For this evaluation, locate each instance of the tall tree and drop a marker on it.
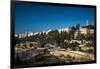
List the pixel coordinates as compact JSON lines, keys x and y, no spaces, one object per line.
{"x":72,"y":32}
{"x":78,"y":30}
{"x":78,"y":27}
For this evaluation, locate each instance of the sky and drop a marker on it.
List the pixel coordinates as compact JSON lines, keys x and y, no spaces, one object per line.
{"x":36,"y":17}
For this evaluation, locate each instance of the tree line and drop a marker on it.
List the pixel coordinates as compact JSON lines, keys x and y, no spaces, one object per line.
{"x":56,"y":38}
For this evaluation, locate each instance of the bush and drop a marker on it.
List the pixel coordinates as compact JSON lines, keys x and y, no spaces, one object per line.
{"x":74,"y":46}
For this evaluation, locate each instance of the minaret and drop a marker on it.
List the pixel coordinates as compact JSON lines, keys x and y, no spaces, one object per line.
{"x":87,"y":27}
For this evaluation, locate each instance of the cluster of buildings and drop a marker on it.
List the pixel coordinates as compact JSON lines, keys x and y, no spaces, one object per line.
{"x":84,"y":31}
